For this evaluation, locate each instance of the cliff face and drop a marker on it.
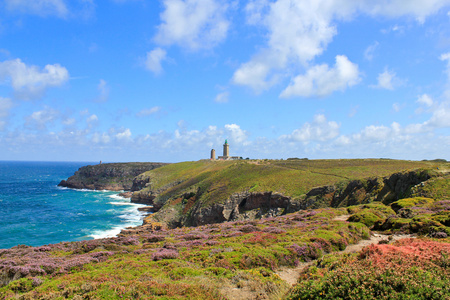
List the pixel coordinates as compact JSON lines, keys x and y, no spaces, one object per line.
{"x":204,"y":192}
{"x":247,"y":205}
{"x":111,"y":176}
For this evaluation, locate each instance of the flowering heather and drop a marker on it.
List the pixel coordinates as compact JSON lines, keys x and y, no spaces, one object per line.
{"x":128,"y":240}
{"x":153,"y":238}
{"x":248,"y":228}
{"x":163,"y":253}
{"x":409,"y":269}
{"x":194,"y":236}
{"x":275,"y":230}
{"x":188,"y":262}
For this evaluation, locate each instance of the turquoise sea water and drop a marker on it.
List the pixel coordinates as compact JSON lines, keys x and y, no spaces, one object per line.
{"x":35,"y":211}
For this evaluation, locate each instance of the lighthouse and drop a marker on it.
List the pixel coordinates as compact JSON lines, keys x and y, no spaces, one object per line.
{"x":226,"y":150}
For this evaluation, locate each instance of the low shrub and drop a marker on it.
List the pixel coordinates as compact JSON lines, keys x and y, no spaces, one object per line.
{"x":411,"y":269}
{"x":163,"y":253}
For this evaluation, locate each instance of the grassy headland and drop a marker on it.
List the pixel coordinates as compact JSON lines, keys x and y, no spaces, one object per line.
{"x":192,"y":193}
{"x":244,"y":259}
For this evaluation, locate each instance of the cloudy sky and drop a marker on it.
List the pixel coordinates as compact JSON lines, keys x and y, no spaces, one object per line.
{"x":168,"y":80}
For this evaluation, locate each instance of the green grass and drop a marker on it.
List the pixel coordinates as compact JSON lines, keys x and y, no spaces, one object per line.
{"x":436,"y":188}
{"x":209,"y":182}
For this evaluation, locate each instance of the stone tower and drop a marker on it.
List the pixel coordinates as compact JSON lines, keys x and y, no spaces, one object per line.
{"x":213,"y":154}
{"x":226,"y":149}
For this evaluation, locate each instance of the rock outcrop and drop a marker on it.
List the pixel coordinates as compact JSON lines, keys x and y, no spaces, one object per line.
{"x":145,"y":194}
{"x":110,"y":176}
{"x":247,"y":205}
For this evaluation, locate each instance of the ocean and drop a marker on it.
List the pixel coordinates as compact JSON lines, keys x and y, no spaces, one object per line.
{"x":34,"y":211}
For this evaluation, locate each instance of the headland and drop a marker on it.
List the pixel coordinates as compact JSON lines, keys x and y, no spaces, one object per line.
{"x":259,"y":229}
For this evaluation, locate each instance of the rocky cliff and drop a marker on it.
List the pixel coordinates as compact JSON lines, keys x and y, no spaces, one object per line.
{"x":110,"y":176}
{"x":187,"y":211}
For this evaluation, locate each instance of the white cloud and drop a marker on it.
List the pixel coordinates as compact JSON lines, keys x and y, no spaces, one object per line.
{"x":425,"y":100}
{"x":101,"y":138}
{"x":38,"y":7}
{"x":319,"y":130}
{"x":193,"y":24}
{"x":388,"y":80}
{"x":321,"y":81}
{"x":446,"y":57}
{"x":396,"y":107}
{"x":154,"y":59}
{"x":235,"y":133}
{"x":103,"y":89}
{"x":41,"y":119}
{"x":28,"y":81}
{"x":440,"y":117}
{"x":254,"y":75}
{"x":375,"y":133}
{"x":396,"y":8}
{"x":222,"y":97}
{"x":69,"y":121}
{"x":5,"y":106}
{"x":300,"y":31}
{"x":395,"y":28}
{"x":92,"y":118}
{"x":370,"y":51}
{"x":149,"y":111}
{"x":125,"y":134}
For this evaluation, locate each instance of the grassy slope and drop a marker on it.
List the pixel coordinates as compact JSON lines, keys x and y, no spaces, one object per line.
{"x":217,"y":180}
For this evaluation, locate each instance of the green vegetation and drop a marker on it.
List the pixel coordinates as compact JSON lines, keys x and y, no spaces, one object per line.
{"x":411,"y":202}
{"x":436,"y":188}
{"x":192,"y":263}
{"x":246,"y":258}
{"x":217,"y":180}
{"x":213,"y":182}
{"x":409,"y":269}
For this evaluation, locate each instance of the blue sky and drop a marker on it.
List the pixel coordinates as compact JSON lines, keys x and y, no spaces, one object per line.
{"x":168,"y":80}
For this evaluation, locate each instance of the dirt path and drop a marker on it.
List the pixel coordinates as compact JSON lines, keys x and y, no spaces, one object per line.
{"x":291,"y":275}
{"x":247,"y":291}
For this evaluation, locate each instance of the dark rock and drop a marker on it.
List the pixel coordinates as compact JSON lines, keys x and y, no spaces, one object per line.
{"x":147,"y":209}
{"x":112,"y":176}
{"x":247,"y":205}
{"x":126,"y":194}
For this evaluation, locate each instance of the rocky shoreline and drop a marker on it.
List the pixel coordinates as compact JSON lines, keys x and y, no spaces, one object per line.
{"x":181,"y":208}
{"x":109,"y":176}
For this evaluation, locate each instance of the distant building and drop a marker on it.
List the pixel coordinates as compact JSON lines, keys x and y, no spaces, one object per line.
{"x":226,"y":153}
{"x":226,"y":149}
{"x":213,"y":154}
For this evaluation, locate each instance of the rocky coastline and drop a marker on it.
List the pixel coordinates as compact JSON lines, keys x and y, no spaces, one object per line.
{"x":252,"y":206}
{"x":108,"y":176}
{"x":178,"y":209}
